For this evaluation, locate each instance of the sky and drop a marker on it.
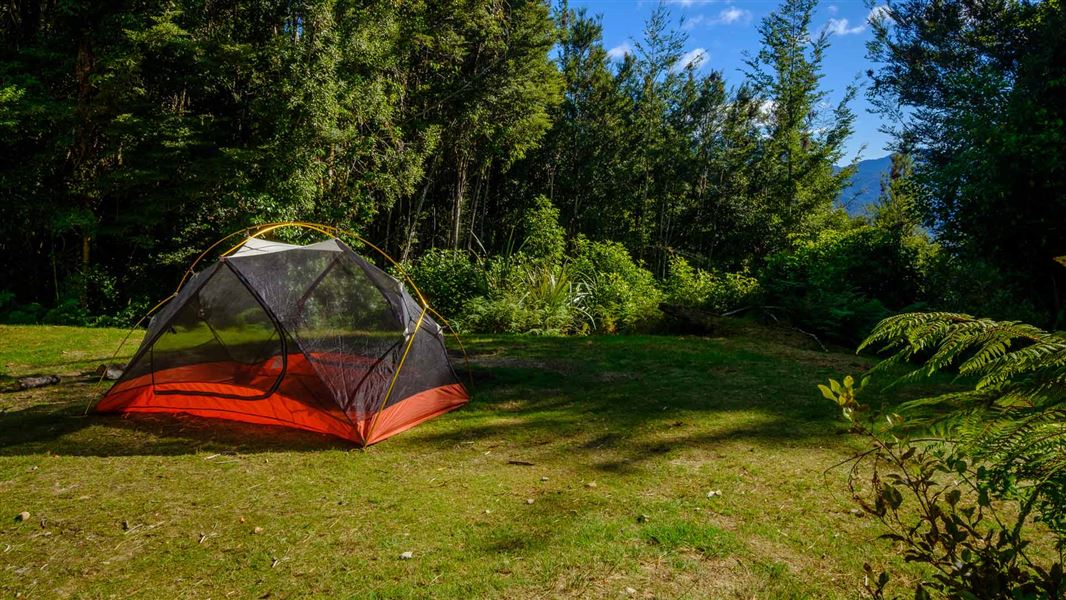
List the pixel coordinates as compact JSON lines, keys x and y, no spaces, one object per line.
{"x":720,"y":31}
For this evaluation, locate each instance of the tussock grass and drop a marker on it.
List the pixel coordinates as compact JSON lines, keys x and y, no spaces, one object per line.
{"x":616,"y":428}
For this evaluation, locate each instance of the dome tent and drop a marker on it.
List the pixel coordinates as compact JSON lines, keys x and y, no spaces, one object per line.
{"x":313,"y":337}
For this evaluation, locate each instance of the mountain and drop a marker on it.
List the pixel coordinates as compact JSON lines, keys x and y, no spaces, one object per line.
{"x":865,"y":185}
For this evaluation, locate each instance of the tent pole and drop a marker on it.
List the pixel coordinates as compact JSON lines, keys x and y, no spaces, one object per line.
{"x":395,"y":376}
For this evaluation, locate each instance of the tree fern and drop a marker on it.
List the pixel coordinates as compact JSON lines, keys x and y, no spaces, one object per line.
{"x":1013,"y":416}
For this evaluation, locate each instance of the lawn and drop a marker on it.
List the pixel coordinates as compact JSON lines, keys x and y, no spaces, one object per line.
{"x":581,"y":469}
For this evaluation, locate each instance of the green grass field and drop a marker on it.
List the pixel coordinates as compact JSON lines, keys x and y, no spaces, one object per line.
{"x":626,"y":436}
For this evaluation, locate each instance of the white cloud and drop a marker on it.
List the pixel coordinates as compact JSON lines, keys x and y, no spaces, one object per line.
{"x":879,"y":12}
{"x":727,"y":16}
{"x":620,"y":51}
{"x":694,"y":58}
{"x":732,"y":15}
{"x":840,"y":27}
{"x":693,"y":22}
{"x":688,"y":3}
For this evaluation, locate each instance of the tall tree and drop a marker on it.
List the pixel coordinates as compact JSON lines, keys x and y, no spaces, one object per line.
{"x":977,"y":92}
{"x":803,"y":139}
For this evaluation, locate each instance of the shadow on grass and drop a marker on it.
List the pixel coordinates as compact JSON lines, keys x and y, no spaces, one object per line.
{"x":615,"y":403}
{"x":611,"y":402}
{"x":60,"y":427}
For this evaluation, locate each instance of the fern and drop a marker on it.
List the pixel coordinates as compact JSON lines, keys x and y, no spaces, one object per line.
{"x":1013,"y":419}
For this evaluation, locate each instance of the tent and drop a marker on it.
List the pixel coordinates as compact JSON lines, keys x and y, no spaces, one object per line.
{"x":313,"y":337}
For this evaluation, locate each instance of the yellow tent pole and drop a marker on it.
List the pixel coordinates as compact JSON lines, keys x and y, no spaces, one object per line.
{"x":111,"y":360}
{"x":395,"y":376}
{"x":458,"y":340}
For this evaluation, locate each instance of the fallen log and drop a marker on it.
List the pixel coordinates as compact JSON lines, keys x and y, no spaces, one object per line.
{"x":36,"y":381}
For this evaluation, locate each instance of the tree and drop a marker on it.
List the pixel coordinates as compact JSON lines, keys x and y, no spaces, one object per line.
{"x":976,"y":91}
{"x":802,"y":141}
{"x":897,"y":206}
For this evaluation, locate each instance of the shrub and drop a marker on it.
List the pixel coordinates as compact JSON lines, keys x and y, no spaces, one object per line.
{"x":545,"y":239}
{"x":68,"y":312}
{"x":960,"y":479}
{"x":973,"y":285}
{"x":718,"y":293}
{"x":449,"y":279}
{"x":621,"y":294}
{"x":23,"y":314}
{"x":527,"y":296}
{"x":843,"y":282}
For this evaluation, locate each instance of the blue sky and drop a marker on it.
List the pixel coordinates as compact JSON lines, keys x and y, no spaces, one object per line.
{"x":720,"y":31}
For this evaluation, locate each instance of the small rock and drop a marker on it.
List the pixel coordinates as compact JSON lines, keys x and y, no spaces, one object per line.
{"x":545,"y":478}
{"x":529,"y":501}
{"x":713,"y":493}
{"x":488,"y":512}
{"x":630,"y":591}
{"x":855,"y":512}
{"x":642,"y":519}
{"x":109,"y":372}
{"x":22,"y":516}
{"x":257,"y":530}
{"x":590,"y":484}
{"x":407,"y":555}
{"x":242,"y":519}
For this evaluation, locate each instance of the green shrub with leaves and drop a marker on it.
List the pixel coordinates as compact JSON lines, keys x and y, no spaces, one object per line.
{"x":961,"y":478}
{"x":968,"y":284}
{"x":715,"y":292}
{"x":843,"y":282}
{"x":544,"y":238}
{"x":622,"y":296}
{"x":449,"y":279}
{"x":527,"y":296}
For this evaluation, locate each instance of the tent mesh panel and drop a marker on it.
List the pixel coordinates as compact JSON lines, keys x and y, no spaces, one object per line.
{"x":340,"y":320}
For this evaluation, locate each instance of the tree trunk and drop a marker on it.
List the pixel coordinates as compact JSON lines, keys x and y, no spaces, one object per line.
{"x":84,"y":148}
{"x":457,"y":203}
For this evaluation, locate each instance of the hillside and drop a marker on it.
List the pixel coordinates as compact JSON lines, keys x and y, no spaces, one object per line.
{"x":865,"y":185}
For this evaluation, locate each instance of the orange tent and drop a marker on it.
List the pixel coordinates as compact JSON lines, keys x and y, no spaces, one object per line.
{"x":314,"y":337}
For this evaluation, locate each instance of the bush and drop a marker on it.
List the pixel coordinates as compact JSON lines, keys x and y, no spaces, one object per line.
{"x":718,"y":293}
{"x":621,"y":294}
{"x":449,"y":279}
{"x":961,"y":479}
{"x":843,"y":282}
{"x":973,"y":285}
{"x":527,"y":296}
{"x":67,"y":312}
{"x":545,"y":239}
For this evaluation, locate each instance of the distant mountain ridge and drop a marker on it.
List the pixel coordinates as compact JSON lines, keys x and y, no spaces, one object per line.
{"x":865,"y":185}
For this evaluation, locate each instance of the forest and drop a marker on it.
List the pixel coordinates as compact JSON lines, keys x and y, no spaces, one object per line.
{"x":529,"y":181}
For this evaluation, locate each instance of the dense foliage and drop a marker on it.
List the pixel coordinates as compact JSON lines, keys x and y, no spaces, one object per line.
{"x":976,"y":90}
{"x":980,"y":465}
{"x":531,"y":181}
{"x":140,"y":133}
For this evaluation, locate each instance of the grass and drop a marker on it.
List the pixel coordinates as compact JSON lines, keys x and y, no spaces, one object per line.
{"x":626,"y":436}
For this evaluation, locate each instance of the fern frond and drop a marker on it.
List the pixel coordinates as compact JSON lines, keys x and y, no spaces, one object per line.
{"x":1014,"y":417}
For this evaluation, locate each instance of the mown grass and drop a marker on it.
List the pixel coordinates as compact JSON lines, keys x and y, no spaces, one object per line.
{"x":626,"y":436}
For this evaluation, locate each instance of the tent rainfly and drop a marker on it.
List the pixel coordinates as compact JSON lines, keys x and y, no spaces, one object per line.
{"x":313,"y":337}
